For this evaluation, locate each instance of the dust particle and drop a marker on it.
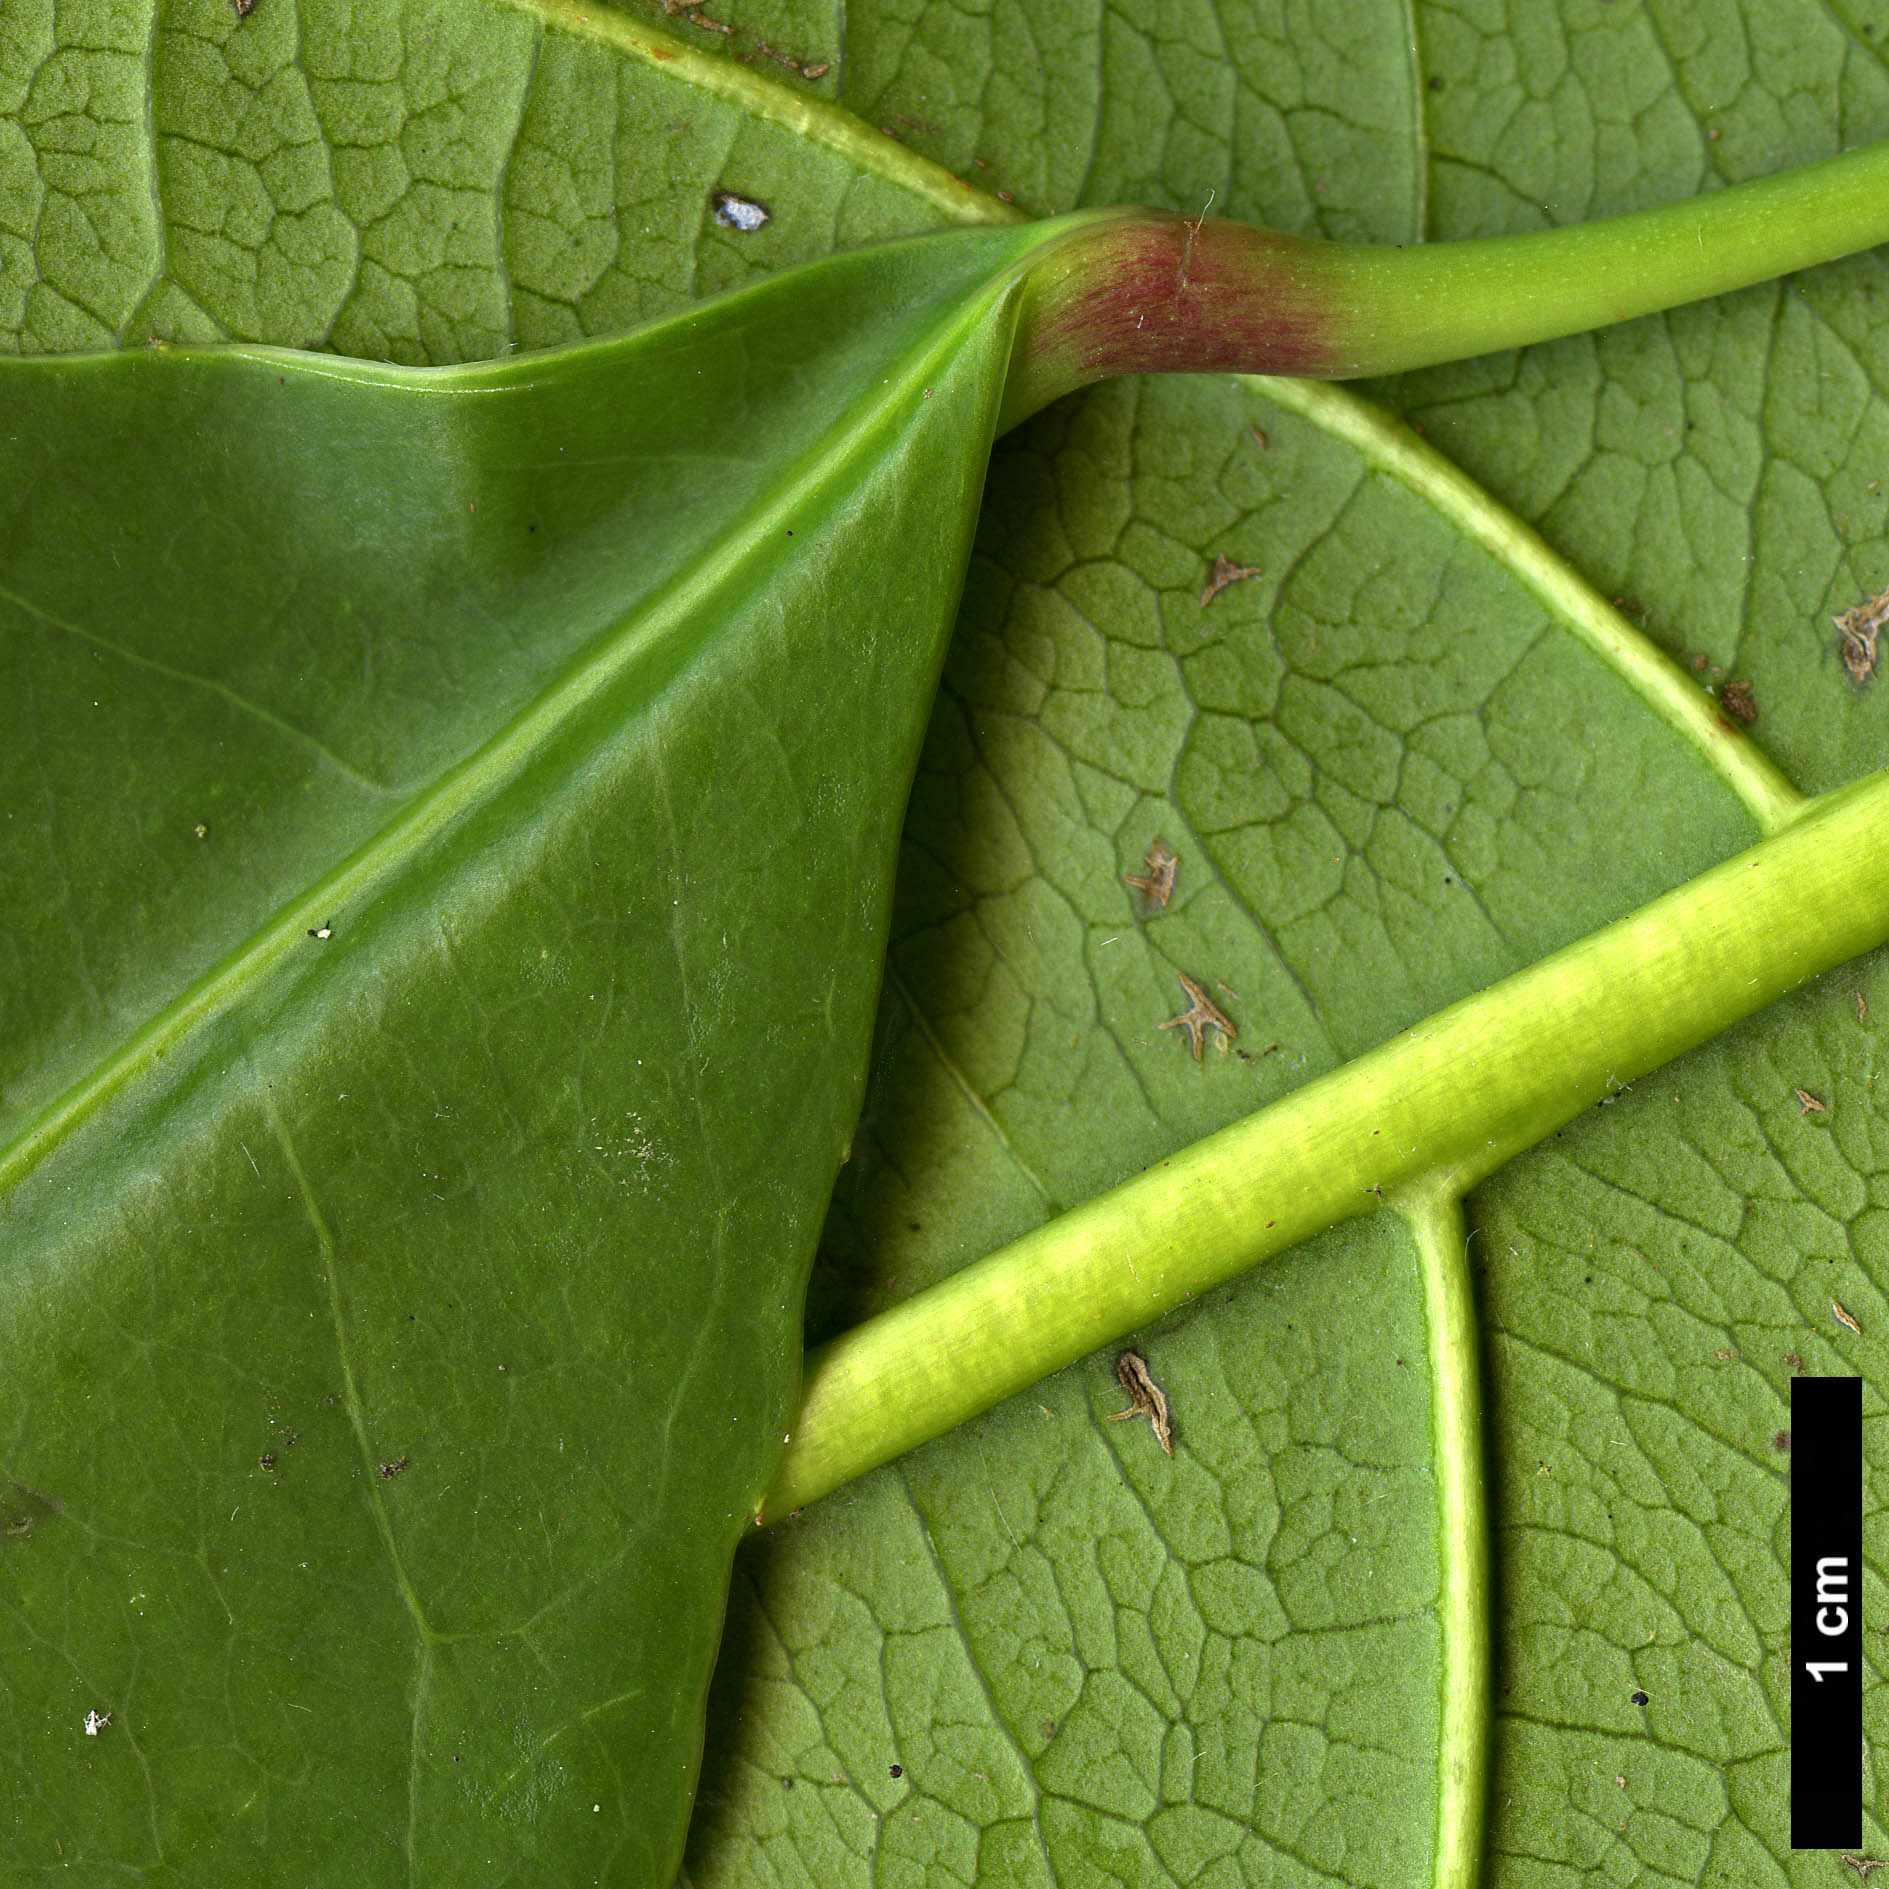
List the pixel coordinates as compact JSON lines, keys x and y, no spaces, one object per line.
{"x":1157,"y":887}
{"x":1147,"y":1399}
{"x":740,"y":213}
{"x":1857,"y":631}
{"x":1224,"y":573}
{"x":1201,"y":1015}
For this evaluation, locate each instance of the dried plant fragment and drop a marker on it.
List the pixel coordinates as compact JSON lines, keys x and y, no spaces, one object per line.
{"x":1201,"y":1015}
{"x":1845,"y":1320}
{"x":1226,"y":572}
{"x":1148,"y":1398}
{"x":1158,"y":886}
{"x":1810,"y":1104}
{"x":1857,"y":631}
{"x":1735,"y":699}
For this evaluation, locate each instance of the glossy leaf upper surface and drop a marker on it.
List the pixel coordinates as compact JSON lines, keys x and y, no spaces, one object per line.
{"x":443,"y":931}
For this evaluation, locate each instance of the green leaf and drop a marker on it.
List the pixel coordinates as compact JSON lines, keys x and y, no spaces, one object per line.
{"x":1703,"y":468}
{"x":1392,"y":774}
{"x":442,"y":942}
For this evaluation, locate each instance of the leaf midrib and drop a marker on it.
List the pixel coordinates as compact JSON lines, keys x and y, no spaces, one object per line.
{"x":806,"y":115}
{"x":511,"y":750}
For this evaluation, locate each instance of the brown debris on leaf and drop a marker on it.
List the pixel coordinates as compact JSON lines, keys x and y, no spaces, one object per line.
{"x":1201,"y":1015}
{"x":1735,"y":699}
{"x":1148,"y":1398}
{"x":1857,"y":631}
{"x":1158,"y":886}
{"x":1226,"y":572}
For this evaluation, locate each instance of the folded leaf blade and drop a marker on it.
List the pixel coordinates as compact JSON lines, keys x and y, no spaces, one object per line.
{"x":389,"y":1186}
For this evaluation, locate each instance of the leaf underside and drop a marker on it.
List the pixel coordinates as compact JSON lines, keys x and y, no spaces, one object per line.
{"x":1388,"y":777}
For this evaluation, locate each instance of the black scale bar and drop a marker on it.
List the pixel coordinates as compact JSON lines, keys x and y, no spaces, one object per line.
{"x":1826,"y":1613}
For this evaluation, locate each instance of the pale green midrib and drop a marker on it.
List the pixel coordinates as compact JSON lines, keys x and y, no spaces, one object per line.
{"x":1388,"y":444}
{"x":506,"y":755}
{"x":1433,"y":1211}
{"x":769,"y":100}
{"x":1452,"y":1099}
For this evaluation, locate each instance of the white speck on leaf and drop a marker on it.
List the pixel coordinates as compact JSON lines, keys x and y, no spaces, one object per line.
{"x":740,"y":213}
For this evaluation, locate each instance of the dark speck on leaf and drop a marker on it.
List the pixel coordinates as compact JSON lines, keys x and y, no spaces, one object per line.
{"x":898,"y":1770}
{"x":1782,"y":1442}
{"x":1639,"y":1698}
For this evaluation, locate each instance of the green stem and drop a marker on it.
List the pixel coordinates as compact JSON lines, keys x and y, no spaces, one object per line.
{"x":1447,"y":1102}
{"x":1677,"y":698}
{"x":1147,"y":292}
{"x":1435,"y":1218}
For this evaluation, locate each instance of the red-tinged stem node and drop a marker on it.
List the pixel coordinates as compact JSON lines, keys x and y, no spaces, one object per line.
{"x":1148,"y":292}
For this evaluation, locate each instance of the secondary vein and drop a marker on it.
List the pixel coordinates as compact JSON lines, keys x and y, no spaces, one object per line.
{"x":1390,"y":446}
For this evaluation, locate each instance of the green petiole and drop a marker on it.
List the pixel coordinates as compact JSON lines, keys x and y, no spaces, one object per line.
{"x":1441,"y":1106}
